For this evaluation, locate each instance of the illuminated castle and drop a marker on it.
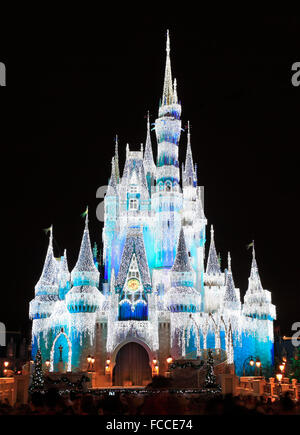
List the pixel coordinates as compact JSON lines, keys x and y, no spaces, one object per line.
{"x":158,"y":296}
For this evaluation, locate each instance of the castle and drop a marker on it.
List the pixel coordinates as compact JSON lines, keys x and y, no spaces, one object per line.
{"x":158,"y":299}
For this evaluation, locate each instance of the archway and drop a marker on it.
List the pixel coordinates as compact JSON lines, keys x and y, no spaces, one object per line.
{"x":132,"y":366}
{"x":61,"y":351}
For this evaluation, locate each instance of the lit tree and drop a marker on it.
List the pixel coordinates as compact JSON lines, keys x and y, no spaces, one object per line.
{"x":210,"y":379}
{"x":37,"y":383}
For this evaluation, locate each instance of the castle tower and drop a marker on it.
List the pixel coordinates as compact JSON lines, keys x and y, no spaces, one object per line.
{"x":182,"y":300}
{"x":260,"y":313}
{"x":83,"y":301}
{"x":46,"y":294}
{"x":167,"y":201}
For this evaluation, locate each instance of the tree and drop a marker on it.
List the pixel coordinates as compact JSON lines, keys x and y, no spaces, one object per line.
{"x":295,"y":369}
{"x":37,"y":383}
{"x":210,"y":378}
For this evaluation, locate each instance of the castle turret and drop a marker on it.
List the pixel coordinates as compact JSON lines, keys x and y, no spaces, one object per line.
{"x":46,"y":289}
{"x":167,"y":200}
{"x":231,"y":300}
{"x":85,"y":271}
{"x":257,"y":301}
{"x":214,"y":279}
{"x":182,"y":296}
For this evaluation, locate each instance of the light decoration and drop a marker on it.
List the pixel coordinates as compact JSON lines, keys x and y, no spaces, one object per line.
{"x":155,"y":278}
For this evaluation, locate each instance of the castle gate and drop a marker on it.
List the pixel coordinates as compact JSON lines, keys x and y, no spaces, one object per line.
{"x":132,"y":366}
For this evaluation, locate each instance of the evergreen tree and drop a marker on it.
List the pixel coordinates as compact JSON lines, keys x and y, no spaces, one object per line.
{"x":295,"y":369}
{"x":37,"y":383}
{"x":210,"y":379}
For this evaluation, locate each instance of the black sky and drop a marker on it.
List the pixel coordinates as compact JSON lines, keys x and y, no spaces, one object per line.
{"x":67,"y":97}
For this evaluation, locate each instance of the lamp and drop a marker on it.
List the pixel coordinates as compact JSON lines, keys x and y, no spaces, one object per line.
{"x":279,"y":377}
{"x":6,"y":364}
{"x":169,"y":360}
{"x":281,"y":367}
{"x":47,"y":362}
{"x":251,"y":362}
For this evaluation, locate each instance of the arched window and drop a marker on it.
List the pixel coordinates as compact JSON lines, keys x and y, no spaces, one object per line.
{"x":168,"y":186}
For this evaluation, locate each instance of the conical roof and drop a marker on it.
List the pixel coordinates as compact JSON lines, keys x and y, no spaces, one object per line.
{"x":85,"y":266}
{"x":48,"y":279}
{"x":213,"y":265}
{"x":182,"y":261}
{"x":254,"y":279}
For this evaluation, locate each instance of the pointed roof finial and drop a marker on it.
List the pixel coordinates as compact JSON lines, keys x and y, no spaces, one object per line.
{"x":87,"y":216}
{"x":168,"y":42}
{"x":175,"y":97}
{"x":117,"y":170}
{"x":168,"y":85}
{"x":229,"y":262}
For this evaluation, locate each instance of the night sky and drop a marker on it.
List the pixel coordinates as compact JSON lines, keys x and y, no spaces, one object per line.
{"x":68,"y":95}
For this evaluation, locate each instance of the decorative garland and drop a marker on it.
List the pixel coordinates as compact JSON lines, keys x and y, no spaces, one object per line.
{"x":185,"y":365}
{"x":75,"y":385}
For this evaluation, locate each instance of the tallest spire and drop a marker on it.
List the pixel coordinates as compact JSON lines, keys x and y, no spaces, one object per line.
{"x":167,"y":98}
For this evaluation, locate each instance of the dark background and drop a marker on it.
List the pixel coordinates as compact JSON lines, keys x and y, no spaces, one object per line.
{"x":67,"y":96}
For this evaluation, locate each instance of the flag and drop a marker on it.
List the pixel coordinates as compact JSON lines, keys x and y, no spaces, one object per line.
{"x":47,"y":229}
{"x":85,"y":212}
{"x":250,"y":245}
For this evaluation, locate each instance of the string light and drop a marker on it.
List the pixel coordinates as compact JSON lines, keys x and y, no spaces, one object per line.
{"x":154,"y":239}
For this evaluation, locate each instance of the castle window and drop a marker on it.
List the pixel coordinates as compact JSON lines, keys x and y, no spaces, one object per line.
{"x":133,"y":204}
{"x":133,"y":189}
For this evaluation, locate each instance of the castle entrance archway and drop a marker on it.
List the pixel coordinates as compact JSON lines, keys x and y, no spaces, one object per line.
{"x":132,"y":366}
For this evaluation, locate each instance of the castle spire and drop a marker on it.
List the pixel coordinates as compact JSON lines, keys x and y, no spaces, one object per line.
{"x":48,"y":279}
{"x":189,"y":174}
{"x":182,"y":262}
{"x":117,"y":170}
{"x":230,"y":297}
{"x":111,"y":190}
{"x":167,"y":97}
{"x":149,"y":164}
{"x":213,"y":264}
{"x":85,"y":269}
{"x":254,"y":279}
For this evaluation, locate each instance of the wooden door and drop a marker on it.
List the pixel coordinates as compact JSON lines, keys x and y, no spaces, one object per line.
{"x":132,"y":366}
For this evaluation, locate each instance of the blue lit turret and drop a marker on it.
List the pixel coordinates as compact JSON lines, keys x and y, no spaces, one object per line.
{"x":84,"y":297}
{"x":182,"y":296}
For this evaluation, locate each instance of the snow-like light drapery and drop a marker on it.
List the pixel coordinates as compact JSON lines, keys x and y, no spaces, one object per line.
{"x":156,"y":287}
